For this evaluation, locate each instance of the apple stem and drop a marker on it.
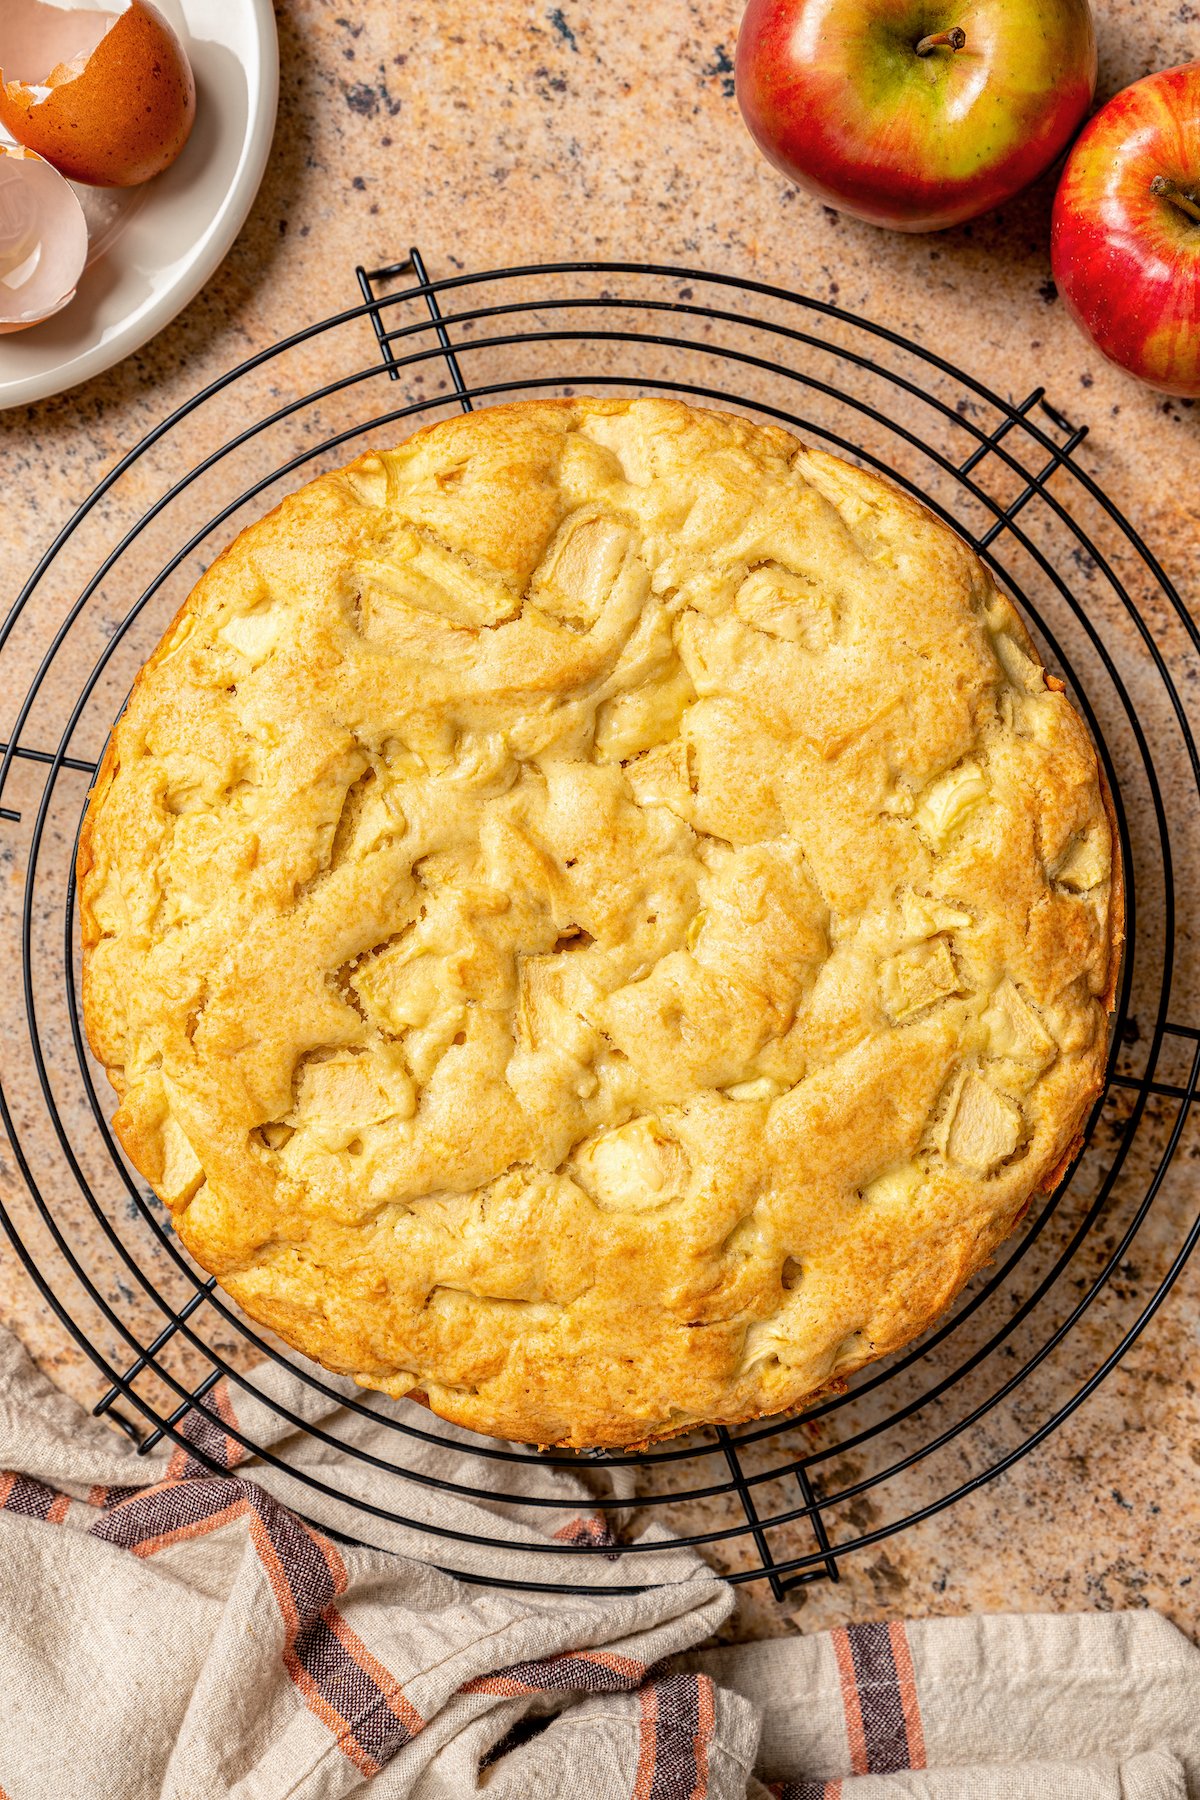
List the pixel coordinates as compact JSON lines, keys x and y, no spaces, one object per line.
{"x":1168,"y":190}
{"x":954,"y":39}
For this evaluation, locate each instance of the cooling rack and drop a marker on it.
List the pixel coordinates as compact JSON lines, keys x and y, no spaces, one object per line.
{"x":786,"y":1501}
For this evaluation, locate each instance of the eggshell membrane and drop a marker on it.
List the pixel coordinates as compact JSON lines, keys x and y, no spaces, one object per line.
{"x":118,"y":120}
{"x":36,"y":36}
{"x":43,"y":240}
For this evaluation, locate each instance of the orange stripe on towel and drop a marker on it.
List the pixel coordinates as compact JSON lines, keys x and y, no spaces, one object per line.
{"x":907,"y":1680}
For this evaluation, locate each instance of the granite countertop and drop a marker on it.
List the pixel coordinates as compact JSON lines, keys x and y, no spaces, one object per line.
{"x":515,"y":131}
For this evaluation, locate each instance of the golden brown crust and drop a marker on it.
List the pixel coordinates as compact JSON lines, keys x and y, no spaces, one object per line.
{"x":598,"y":920}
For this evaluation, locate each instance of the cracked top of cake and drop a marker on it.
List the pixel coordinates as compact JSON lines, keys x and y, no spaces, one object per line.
{"x":598,"y":919}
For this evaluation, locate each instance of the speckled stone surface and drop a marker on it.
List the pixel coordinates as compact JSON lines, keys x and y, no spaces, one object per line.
{"x":511,"y":132}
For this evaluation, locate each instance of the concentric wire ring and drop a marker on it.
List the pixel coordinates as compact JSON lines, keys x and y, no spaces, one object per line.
{"x":564,"y":327}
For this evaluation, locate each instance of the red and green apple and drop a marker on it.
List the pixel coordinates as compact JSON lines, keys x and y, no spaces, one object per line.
{"x":1125,"y":236}
{"x":915,"y":113}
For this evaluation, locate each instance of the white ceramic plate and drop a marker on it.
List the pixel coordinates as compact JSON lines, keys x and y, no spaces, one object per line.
{"x":155,"y":246}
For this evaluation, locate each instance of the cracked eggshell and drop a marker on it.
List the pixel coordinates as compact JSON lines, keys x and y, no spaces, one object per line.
{"x":43,"y":240}
{"x":107,"y":97}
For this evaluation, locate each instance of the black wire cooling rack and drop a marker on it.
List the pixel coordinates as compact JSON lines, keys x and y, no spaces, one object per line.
{"x":1034,"y":1337}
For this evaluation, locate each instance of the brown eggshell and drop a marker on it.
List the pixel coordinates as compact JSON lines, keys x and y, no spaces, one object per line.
{"x":122,"y":117}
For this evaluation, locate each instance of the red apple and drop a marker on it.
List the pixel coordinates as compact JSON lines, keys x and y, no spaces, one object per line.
{"x":1125,"y":238}
{"x":915,"y":113}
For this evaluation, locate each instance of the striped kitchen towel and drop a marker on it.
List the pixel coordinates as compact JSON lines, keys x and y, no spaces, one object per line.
{"x":1098,"y":1706}
{"x":172,"y":1629}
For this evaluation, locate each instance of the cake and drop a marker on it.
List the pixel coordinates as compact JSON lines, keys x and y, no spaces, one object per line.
{"x":598,"y":920}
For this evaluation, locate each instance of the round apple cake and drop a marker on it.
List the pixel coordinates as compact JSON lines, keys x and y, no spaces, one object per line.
{"x":599,"y":920}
